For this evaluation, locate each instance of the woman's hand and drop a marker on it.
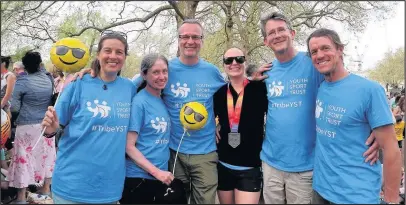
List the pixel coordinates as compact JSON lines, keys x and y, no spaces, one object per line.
{"x":50,"y":120}
{"x":164,"y":176}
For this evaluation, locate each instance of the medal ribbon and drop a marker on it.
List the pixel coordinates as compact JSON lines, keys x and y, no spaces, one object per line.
{"x":235,"y":113}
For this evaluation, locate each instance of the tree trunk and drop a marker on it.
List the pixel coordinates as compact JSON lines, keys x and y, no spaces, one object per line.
{"x":229,"y":25}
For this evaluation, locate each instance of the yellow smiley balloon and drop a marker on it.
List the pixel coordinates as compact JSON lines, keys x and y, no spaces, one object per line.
{"x":193,"y":116}
{"x":69,"y":54}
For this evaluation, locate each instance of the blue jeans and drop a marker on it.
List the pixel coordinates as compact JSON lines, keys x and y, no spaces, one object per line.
{"x":59,"y":200}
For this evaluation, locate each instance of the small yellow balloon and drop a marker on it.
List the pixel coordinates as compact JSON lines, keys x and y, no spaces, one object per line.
{"x":69,"y":55}
{"x":193,"y":116}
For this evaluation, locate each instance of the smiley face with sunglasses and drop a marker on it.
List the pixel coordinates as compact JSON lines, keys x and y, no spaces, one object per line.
{"x":193,"y":116}
{"x":69,"y":54}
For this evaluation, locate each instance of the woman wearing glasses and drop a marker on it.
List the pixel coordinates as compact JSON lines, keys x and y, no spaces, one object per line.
{"x":240,"y":107}
{"x":148,"y":136}
{"x":94,"y":114}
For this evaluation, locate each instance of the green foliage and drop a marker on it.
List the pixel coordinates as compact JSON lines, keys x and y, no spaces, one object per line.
{"x":132,"y":65}
{"x":391,"y":69}
{"x":20,"y":52}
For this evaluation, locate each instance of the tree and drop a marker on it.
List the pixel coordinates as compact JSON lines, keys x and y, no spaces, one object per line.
{"x":390,"y":70}
{"x":226,"y":23}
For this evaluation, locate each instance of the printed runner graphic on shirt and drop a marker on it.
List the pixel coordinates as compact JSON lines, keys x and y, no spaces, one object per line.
{"x":276,"y":89}
{"x":331,"y":114}
{"x":159,"y":125}
{"x":103,"y":109}
{"x":181,"y":91}
{"x":319,"y":108}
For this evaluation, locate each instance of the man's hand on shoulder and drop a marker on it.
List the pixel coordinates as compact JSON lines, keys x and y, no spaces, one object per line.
{"x":259,"y":75}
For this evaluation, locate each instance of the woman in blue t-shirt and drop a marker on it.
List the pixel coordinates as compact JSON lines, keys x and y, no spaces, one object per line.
{"x":94,"y":114}
{"x":148,"y":137}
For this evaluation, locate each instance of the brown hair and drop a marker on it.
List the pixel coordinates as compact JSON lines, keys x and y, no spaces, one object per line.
{"x":96,"y":64}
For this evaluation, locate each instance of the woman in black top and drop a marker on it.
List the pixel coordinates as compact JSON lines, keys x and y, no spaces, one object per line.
{"x":241,"y":135}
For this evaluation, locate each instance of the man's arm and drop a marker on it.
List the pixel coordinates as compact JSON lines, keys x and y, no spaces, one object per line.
{"x":386,"y":138}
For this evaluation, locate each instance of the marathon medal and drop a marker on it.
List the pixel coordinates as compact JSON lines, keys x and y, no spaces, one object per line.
{"x":234,"y":113}
{"x":234,"y":138}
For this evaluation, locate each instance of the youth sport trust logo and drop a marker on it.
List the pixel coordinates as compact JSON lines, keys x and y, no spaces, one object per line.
{"x":181,"y":91}
{"x":319,"y":108}
{"x":159,"y":125}
{"x":103,"y":109}
{"x":276,"y":89}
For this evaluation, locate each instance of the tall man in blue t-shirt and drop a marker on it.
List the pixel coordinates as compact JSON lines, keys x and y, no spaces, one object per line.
{"x":288,"y":149}
{"x":348,"y":109}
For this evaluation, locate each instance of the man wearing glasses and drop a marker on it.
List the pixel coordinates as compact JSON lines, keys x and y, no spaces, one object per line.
{"x":193,"y":79}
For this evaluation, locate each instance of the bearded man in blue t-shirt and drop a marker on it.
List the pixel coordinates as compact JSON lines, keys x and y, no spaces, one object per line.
{"x":348,"y":109}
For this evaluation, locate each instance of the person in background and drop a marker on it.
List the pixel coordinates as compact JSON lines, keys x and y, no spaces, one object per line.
{"x":59,"y":80}
{"x":8,"y":79}
{"x":393,"y":99}
{"x":93,"y":115}
{"x":399,"y":104}
{"x":240,"y":107}
{"x":18,"y":69}
{"x":31,"y":97}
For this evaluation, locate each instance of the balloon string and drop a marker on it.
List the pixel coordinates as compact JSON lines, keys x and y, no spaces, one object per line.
{"x":177,"y":151}
{"x":43,"y":130}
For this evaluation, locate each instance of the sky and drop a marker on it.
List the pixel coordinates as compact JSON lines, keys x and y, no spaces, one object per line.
{"x":382,"y":36}
{"x":371,"y":45}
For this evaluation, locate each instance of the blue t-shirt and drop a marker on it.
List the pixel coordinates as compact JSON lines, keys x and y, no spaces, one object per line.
{"x":186,"y":84}
{"x":90,"y":164}
{"x":150,"y":119}
{"x":290,"y":134}
{"x":346,"y":113}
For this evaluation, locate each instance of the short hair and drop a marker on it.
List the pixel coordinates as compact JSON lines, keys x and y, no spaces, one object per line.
{"x":6,"y":60}
{"x":32,"y":61}
{"x":273,"y":16}
{"x":19,"y":64}
{"x":191,"y":21}
{"x":324,"y":32}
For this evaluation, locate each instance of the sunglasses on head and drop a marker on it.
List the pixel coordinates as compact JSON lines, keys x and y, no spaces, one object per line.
{"x":76,"y":52}
{"x":111,"y":32}
{"x":238,"y":59}
{"x":198,"y":117}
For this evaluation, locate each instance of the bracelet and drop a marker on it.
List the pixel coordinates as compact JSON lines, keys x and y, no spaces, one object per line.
{"x":50,"y":135}
{"x":59,"y":129}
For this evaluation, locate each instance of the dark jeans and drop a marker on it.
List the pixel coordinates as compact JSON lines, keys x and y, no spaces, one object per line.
{"x":140,"y":191}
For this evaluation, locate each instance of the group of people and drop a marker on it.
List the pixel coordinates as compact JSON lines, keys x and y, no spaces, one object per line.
{"x":301,"y":129}
{"x":26,"y":94}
